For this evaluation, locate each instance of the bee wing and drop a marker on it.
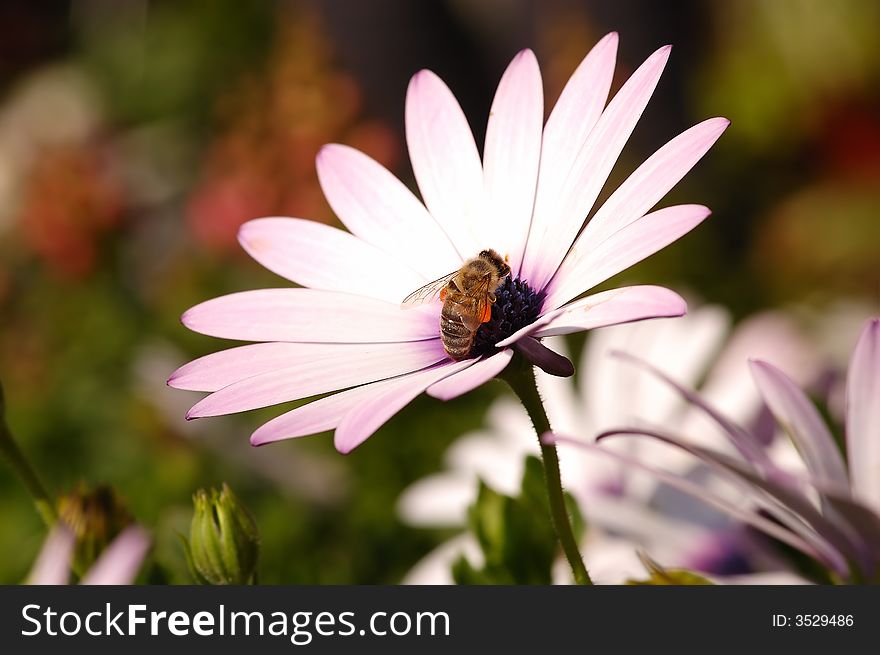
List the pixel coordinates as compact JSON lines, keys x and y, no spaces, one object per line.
{"x":482,"y":308}
{"x":428,"y":292}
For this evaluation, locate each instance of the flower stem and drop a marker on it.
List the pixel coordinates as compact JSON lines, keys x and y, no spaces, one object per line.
{"x":520,"y":375}
{"x":10,"y":450}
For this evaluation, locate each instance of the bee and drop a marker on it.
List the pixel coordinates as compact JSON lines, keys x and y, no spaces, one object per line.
{"x":467,"y":295}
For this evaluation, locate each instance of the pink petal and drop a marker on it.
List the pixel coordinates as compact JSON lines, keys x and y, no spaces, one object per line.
{"x":573,"y":117}
{"x":472,"y":377}
{"x":652,"y":180}
{"x":863,"y":415}
{"x":529,"y":329}
{"x":796,"y":534}
{"x":511,"y":157}
{"x":594,"y":162}
{"x":371,"y":413}
{"x":326,"y":371}
{"x":613,"y":307}
{"x":322,"y":257}
{"x":120,"y":562}
{"x":53,"y":563}
{"x":379,"y":209}
{"x":584,"y":267}
{"x":220,"y":369}
{"x":317,"y":416}
{"x":309,"y":315}
{"x":445,"y":159}
{"x":798,"y":416}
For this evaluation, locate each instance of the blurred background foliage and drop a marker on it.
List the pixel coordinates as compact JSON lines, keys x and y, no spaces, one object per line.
{"x":136,"y":136}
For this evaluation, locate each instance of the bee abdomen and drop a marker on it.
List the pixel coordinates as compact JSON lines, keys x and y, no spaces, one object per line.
{"x":457,"y":338}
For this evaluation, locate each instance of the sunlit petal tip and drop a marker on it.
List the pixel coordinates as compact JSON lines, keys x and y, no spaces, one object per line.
{"x":420,"y":82}
{"x":245,"y":229}
{"x":345,"y":448}
{"x":327,"y":150}
{"x":421,"y":76}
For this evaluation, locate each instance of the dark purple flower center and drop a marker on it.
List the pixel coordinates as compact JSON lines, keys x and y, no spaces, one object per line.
{"x":516,"y":306}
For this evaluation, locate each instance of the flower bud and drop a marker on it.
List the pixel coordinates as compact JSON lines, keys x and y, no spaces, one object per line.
{"x":95,"y":517}
{"x":224,"y":542}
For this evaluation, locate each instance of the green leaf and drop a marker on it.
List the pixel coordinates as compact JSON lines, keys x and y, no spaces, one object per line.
{"x":515,"y":535}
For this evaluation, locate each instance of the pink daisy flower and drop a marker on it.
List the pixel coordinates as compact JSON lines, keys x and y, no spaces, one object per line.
{"x":822,"y":503}
{"x":346,"y":334}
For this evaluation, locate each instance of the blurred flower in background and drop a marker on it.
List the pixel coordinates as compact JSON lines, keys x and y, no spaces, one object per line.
{"x":71,"y":199}
{"x":821,"y":503}
{"x":625,"y":509}
{"x":274,"y":122}
{"x":802,"y":86}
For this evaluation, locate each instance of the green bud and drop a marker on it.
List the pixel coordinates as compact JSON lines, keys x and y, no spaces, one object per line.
{"x":224,"y":542}
{"x":659,"y":576}
{"x":96,"y":517}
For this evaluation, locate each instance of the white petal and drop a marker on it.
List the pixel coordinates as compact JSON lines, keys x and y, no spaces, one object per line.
{"x":329,"y":370}
{"x":436,"y":567}
{"x":445,"y":159}
{"x":769,"y":336}
{"x":796,"y":414}
{"x":589,"y":264}
{"x":511,"y":158}
{"x":863,"y":415}
{"x":438,"y":501}
{"x":471,"y":378}
{"x":593,"y":163}
{"x":496,"y":459}
{"x":310,"y":315}
{"x":379,"y":209}
{"x":563,"y":405}
{"x":573,"y":117}
{"x":322,"y":257}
